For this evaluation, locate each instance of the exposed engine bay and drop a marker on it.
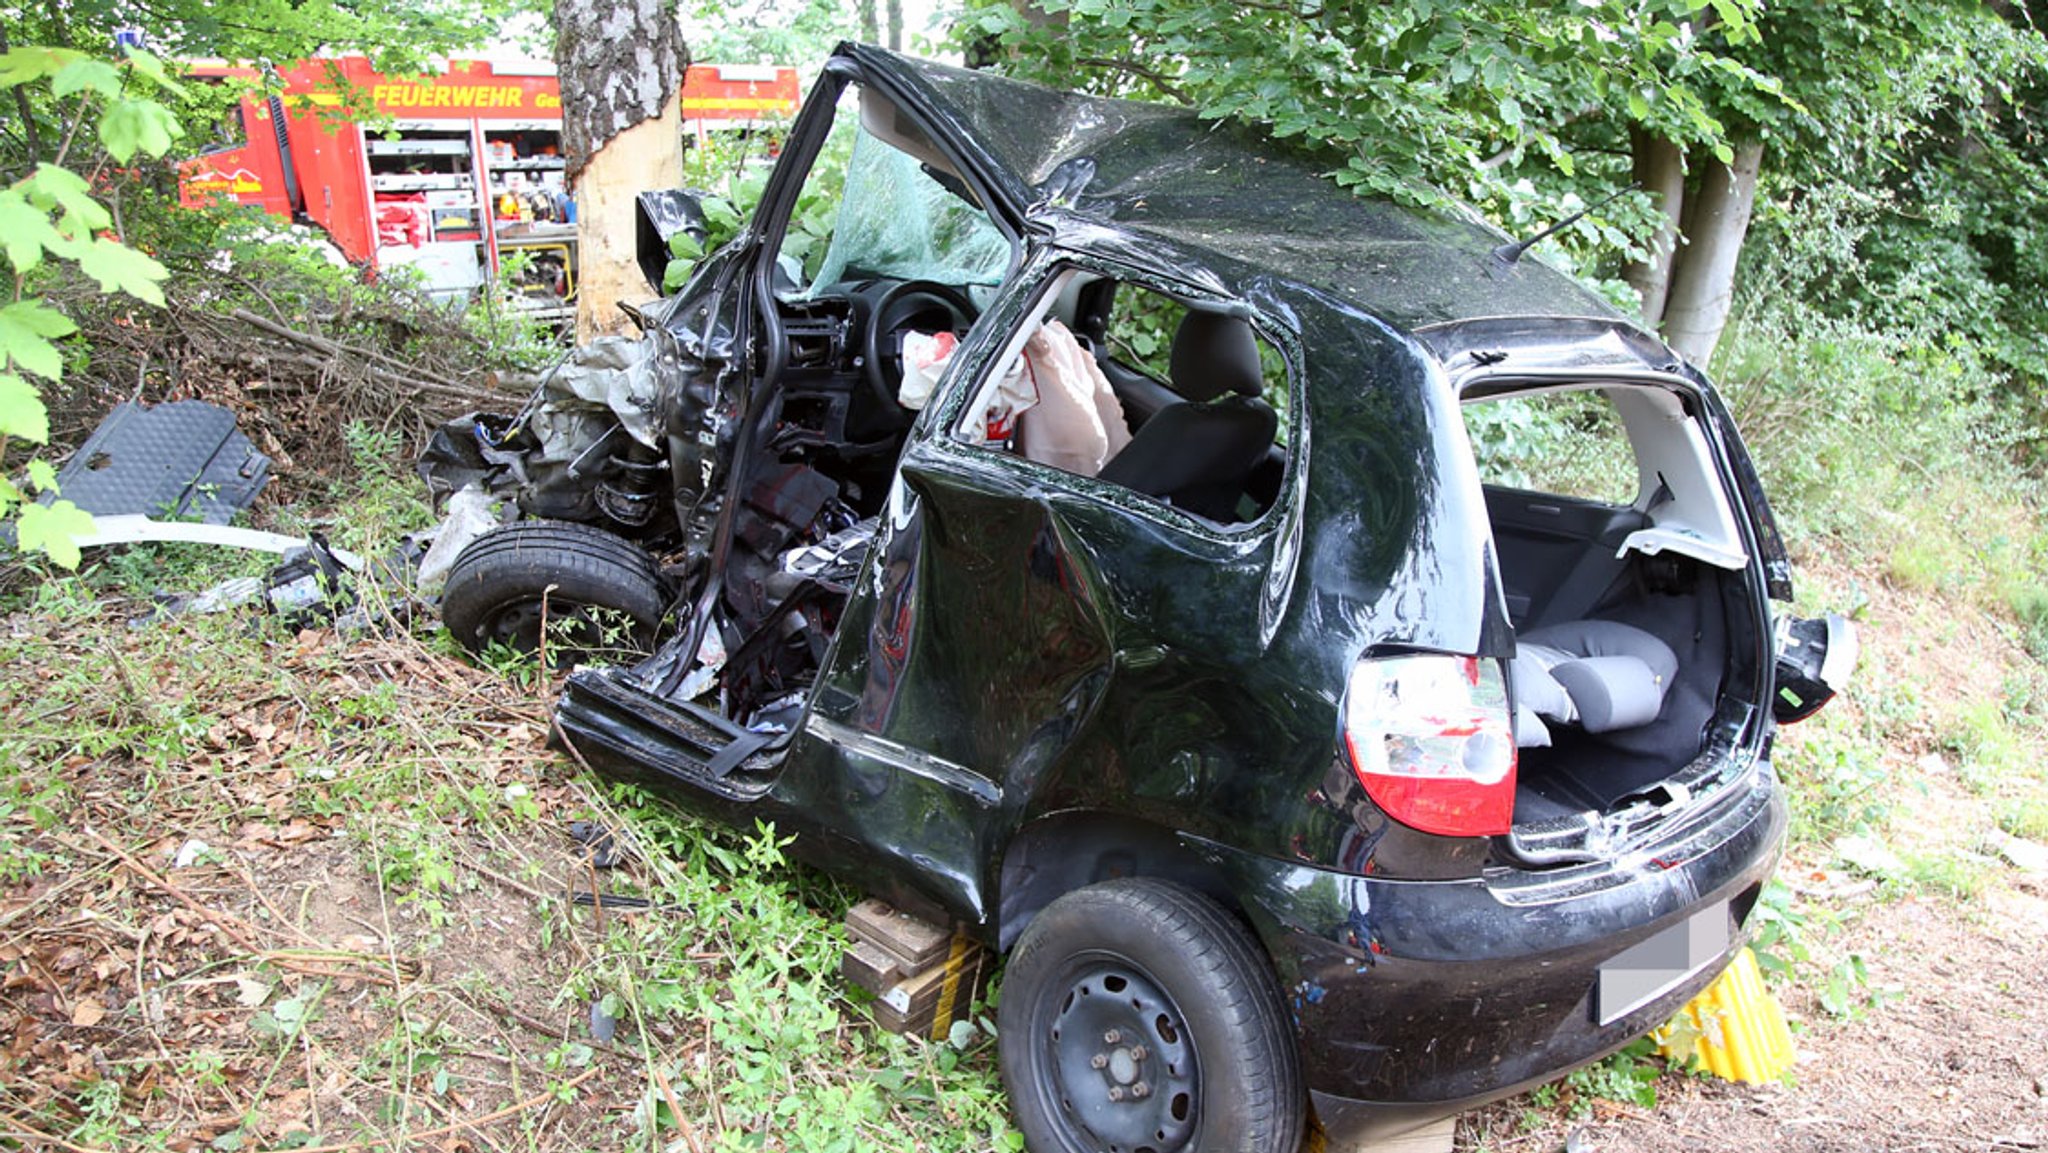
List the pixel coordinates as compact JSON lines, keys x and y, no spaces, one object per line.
{"x":632,"y":436}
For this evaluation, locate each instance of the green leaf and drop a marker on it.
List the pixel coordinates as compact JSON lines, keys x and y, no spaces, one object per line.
{"x":53,"y":529}
{"x":53,"y":187}
{"x":686,"y":247}
{"x":87,"y":73}
{"x":21,"y":410}
{"x":27,"y":328}
{"x":131,"y":125}
{"x":720,"y":214}
{"x":120,"y":268}
{"x":25,"y":231}
{"x":43,"y":475}
{"x":150,"y":68}
{"x":26,"y":65}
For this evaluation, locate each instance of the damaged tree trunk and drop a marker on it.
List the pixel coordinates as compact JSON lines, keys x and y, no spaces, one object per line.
{"x":1659,"y":171}
{"x":621,"y":67}
{"x":1703,"y":280}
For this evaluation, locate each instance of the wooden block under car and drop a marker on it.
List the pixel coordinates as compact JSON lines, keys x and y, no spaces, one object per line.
{"x":870,"y":966}
{"x":912,"y":942}
{"x":928,"y":1002}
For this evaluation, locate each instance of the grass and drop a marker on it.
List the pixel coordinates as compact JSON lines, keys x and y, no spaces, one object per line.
{"x":2026,"y":816}
{"x":376,"y":942}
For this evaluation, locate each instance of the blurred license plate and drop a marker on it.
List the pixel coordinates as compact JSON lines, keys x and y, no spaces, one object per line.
{"x":1642,"y":973}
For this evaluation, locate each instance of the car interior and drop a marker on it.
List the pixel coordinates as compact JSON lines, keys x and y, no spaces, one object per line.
{"x":1097,"y":384}
{"x":869,"y":299}
{"x":1623,"y":572}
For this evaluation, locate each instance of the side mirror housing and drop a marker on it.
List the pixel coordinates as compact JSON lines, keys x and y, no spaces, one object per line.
{"x":657,"y":217}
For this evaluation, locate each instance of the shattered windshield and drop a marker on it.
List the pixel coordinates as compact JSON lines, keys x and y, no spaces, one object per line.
{"x":898,"y":222}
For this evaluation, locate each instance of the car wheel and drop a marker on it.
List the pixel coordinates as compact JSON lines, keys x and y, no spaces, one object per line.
{"x":596,"y":591}
{"x":1138,"y":1016}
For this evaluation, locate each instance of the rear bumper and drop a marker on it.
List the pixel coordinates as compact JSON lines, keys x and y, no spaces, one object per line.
{"x":1414,"y":1000}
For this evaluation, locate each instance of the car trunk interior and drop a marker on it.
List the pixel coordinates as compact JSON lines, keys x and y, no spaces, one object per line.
{"x":1665,"y":564}
{"x":1680,"y":602}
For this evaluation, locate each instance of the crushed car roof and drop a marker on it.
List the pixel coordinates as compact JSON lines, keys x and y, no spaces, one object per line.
{"x":1224,"y":188}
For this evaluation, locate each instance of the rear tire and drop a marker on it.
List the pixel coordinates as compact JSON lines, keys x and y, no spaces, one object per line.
{"x":599,"y":593}
{"x":1138,"y":1015}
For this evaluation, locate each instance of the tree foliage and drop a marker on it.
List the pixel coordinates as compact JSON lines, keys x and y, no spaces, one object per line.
{"x":1532,"y":111}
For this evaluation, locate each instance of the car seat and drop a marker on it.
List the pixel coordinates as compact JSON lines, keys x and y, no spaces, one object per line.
{"x":1198,"y":454}
{"x":1603,"y":676}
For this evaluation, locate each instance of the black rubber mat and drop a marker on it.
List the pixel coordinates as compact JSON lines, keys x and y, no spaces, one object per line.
{"x":184,"y":460}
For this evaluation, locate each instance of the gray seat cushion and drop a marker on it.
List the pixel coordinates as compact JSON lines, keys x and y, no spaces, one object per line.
{"x":1601,"y":675}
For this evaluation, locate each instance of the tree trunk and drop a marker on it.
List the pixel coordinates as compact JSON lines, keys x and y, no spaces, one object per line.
{"x":1703,"y":283}
{"x":864,"y":16}
{"x":1660,"y":171}
{"x":894,"y":9}
{"x":621,"y":65}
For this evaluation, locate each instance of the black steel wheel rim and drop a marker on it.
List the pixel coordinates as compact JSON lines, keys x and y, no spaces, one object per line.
{"x":1115,"y":1058}
{"x":517,"y":625}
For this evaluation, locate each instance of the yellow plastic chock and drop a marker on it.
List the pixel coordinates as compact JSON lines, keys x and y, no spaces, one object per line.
{"x":1734,"y":1029}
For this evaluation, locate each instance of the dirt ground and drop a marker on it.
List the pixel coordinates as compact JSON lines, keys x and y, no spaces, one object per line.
{"x":1953,"y":1056}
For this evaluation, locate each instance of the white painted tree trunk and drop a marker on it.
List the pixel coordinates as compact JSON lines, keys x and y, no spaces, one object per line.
{"x":1660,"y":170}
{"x":1703,"y":280}
{"x":621,"y":64}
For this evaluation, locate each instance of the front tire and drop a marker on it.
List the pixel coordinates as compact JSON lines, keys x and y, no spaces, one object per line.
{"x":597,"y":592}
{"x":1138,"y":1016}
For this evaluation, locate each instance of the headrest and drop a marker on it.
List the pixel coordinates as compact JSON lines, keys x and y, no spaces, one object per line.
{"x":1213,"y":354}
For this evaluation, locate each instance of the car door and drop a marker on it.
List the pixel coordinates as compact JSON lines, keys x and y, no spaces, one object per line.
{"x":1016,"y":631}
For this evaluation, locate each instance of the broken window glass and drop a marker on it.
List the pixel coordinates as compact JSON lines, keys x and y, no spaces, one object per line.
{"x":897,"y":222}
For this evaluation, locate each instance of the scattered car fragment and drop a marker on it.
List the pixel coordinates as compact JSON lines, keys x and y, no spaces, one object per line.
{"x":1095,"y":544}
{"x":184,"y":460}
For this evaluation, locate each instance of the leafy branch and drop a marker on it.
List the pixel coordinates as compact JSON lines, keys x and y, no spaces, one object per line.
{"x":52,"y":213}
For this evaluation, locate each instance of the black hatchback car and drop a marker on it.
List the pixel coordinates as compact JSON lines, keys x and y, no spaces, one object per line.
{"x":1109,"y":537}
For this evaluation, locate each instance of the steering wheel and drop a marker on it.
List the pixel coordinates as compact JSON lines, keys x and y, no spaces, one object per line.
{"x":925,"y":305}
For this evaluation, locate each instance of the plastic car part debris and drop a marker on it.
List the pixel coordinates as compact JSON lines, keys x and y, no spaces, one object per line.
{"x":602,"y":1024}
{"x":605,"y":847}
{"x":181,"y":460}
{"x":469,"y":517}
{"x":138,"y":529}
{"x":1737,"y":1031}
{"x":311,"y":587}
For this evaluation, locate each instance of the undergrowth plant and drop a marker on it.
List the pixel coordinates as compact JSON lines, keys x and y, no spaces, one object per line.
{"x":113,"y":117}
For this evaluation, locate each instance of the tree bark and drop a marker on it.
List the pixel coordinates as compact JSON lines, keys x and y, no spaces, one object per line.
{"x":864,"y":16}
{"x":621,"y":67}
{"x":894,"y":12}
{"x":1659,"y":171}
{"x":1703,"y":283}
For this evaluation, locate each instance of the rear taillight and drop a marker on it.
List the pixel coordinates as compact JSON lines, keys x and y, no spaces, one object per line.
{"x":1432,"y":740}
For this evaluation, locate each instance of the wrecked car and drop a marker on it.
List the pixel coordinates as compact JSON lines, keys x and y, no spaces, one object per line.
{"x":1105,"y":541}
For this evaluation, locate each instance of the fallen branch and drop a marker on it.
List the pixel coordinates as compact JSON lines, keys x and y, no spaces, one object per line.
{"x":229,"y":923}
{"x":336,"y":348}
{"x":28,"y":1132}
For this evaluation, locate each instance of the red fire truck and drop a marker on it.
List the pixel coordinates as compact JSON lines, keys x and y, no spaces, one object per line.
{"x":465,"y":171}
